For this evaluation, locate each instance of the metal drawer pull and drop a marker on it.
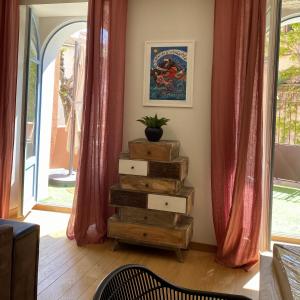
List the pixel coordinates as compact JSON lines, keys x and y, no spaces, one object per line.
{"x":132,"y":167}
{"x":149,"y":152}
{"x":144,"y":234}
{"x":146,"y":185}
{"x":145,"y":218}
{"x":166,"y":204}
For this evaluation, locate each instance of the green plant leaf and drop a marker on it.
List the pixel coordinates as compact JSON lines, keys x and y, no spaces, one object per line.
{"x":153,"y":122}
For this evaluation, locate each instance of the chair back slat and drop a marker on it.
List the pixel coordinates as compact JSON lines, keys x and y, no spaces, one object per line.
{"x":135,"y":282}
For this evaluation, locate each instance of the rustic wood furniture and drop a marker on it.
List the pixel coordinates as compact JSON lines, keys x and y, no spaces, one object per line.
{"x":153,"y":205}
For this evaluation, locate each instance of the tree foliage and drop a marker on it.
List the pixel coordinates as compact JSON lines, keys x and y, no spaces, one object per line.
{"x":66,"y":87}
{"x":290,"y":47}
{"x":288,"y":114}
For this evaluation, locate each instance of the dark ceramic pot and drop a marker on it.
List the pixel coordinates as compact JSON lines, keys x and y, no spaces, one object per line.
{"x":153,"y":134}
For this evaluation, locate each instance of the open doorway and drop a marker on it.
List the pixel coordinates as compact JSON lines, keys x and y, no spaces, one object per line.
{"x":65,"y":121}
{"x":55,"y":81}
{"x":286,"y":172}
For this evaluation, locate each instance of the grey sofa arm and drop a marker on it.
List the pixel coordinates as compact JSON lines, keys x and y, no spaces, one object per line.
{"x":6,"y":246}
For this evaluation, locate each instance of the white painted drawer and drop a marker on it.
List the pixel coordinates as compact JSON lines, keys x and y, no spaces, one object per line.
{"x":133,"y":167}
{"x":167,"y":203}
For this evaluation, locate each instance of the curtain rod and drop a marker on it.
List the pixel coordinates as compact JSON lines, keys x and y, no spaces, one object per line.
{"x":28,"y":2}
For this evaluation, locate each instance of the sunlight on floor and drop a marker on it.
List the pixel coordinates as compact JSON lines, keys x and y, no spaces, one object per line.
{"x":253,"y":283}
{"x":52,"y":224}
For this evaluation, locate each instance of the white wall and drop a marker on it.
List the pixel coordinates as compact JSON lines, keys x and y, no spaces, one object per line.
{"x":176,"y":20}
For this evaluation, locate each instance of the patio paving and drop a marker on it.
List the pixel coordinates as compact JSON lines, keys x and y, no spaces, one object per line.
{"x":286,"y":211}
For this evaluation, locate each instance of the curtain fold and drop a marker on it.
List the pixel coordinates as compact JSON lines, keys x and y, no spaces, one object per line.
{"x":236,"y":141}
{"x":9,"y":31}
{"x":102,"y":124}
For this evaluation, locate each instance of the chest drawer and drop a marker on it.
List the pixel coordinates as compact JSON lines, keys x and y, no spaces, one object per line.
{"x":120,"y":197}
{"x":148,"y":216}
{"x":177,"y":237}
{"x":161,"y":151}
{"x":148,"y":184}
{"x":167,"y":203}
{"x":176,"y":169}
{"x":133,"y":167}
{"x":181,"y":202}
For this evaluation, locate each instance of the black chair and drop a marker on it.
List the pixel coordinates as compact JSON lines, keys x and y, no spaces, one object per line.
{"x":133,"y":282}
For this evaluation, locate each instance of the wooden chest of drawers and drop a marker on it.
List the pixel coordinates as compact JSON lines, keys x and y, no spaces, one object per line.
{"x":153,"y":205}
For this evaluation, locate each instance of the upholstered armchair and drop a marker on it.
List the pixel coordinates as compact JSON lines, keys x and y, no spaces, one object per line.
{"x":19,"y":251}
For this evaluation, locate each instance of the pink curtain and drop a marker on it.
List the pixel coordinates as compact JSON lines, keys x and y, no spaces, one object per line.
{"x":101,"y":140}
{"x":9,"y":32}
{"x":236,"y":140}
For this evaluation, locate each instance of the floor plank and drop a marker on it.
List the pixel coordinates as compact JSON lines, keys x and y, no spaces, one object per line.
{"x":68,"y":272}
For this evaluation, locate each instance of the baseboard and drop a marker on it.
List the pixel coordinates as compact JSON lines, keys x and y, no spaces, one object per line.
{"x":203,"y":247}
{"x":66,"y":210}
{"x":13,"y":212}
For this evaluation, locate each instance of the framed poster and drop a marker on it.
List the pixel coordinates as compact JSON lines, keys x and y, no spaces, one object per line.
{"x":168,"y":73}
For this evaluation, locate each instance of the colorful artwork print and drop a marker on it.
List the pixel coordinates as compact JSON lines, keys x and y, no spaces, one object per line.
{"x":168,"y":73}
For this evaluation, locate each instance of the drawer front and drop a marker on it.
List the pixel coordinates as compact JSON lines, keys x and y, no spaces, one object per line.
{"x":161,"y":151}
{"x":147,"y":184}
{"x":151,"y":235}
{"x":147,"y":216}
{"x":133,"y":167}
{"x":167,"y":203}
{"x":176,"y":169}
{"x":120,"y":197}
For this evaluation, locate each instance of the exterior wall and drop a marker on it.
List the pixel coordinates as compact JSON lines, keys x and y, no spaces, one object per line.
{"x":176,"y":20}
{"x":59,"y":155}
{"x":287,"y":162}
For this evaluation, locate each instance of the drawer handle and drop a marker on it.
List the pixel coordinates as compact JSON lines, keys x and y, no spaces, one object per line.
{"x":149,"y":152}
{"x":132,"y":167}
{"x":145,"y":217}
{"x":146,"y":185}
{"x":166,"y":203}
{"x":144,"y":234}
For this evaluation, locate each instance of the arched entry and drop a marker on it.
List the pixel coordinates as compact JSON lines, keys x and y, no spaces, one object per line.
{"x":49,"y":69}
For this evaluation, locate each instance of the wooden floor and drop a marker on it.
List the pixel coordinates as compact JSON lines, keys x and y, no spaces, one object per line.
{"x":70,"y":272}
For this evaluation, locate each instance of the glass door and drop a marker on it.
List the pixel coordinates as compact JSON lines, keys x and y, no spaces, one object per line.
{"x":30,"y":155}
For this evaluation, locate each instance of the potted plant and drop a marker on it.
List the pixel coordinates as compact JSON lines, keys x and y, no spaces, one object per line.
{"x":153,"y":125}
